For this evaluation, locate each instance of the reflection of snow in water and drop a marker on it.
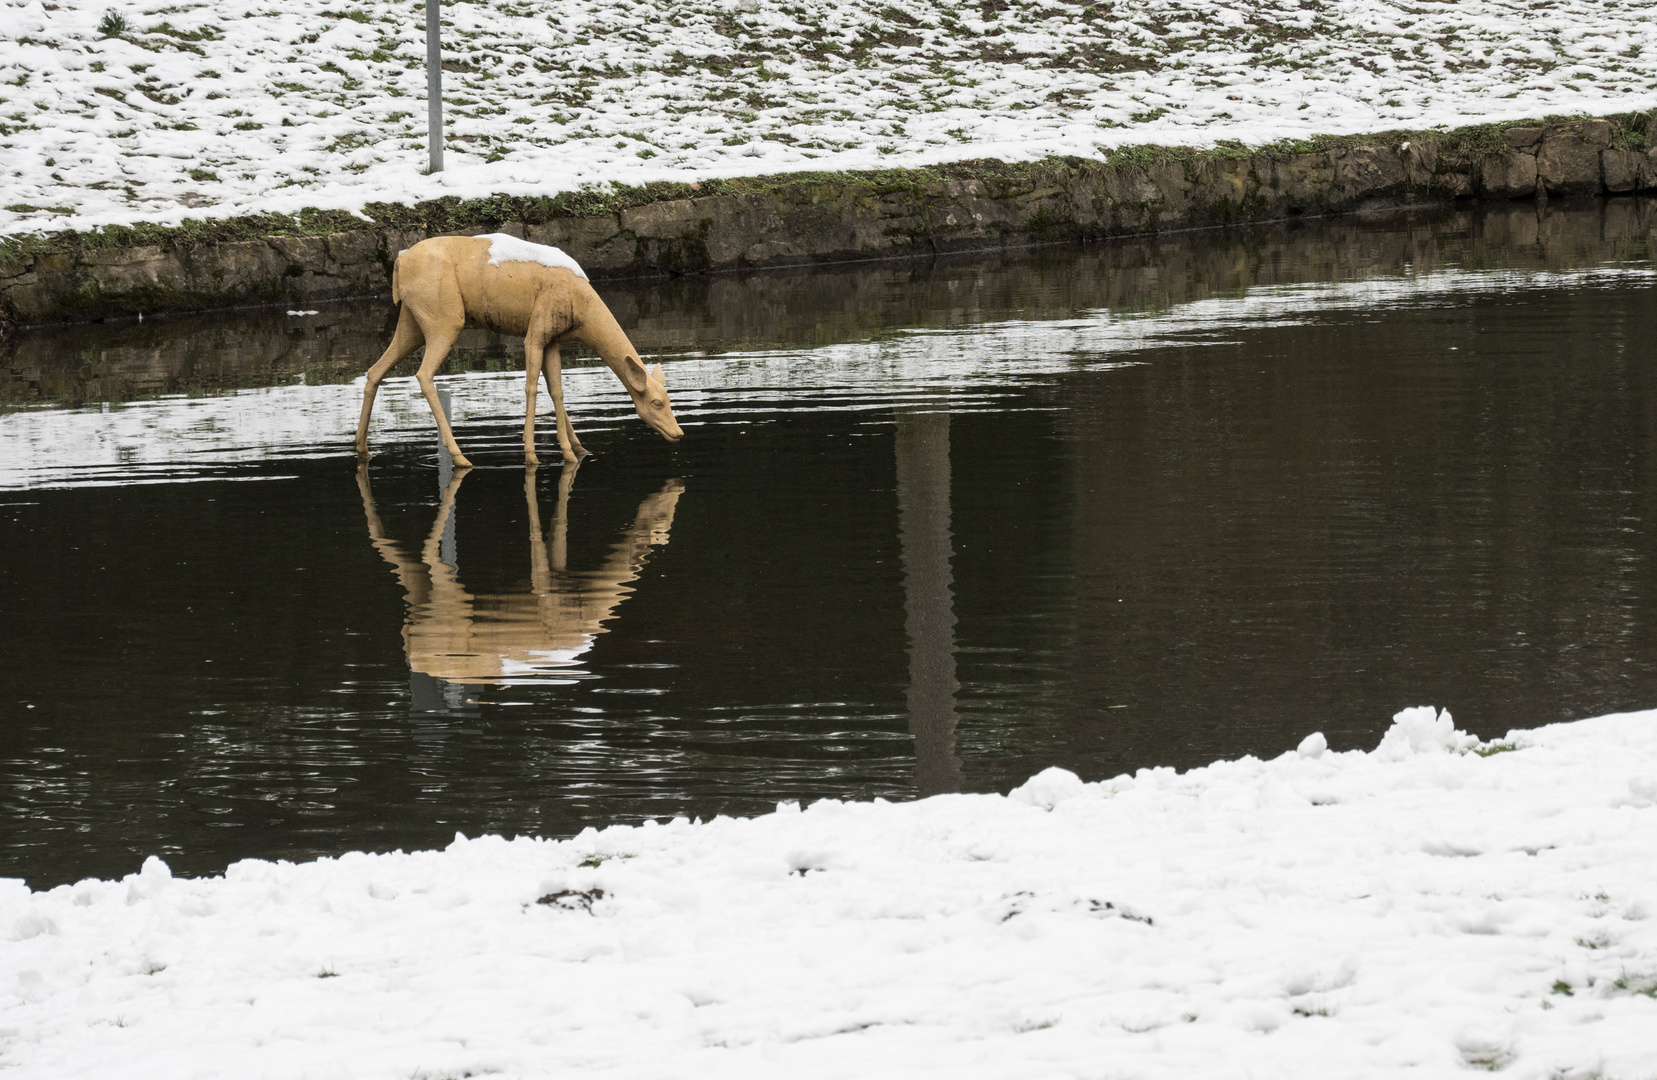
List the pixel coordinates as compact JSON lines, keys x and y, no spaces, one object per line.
{"x":181,"y":438}
{"x":538,"y":664}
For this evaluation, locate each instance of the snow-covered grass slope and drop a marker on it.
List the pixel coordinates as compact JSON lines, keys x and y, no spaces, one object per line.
{"x":1435,"y":905}
{"x":179,"y":108}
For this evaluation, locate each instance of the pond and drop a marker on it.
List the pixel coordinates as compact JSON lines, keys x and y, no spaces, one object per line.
{"x":933,"y":527}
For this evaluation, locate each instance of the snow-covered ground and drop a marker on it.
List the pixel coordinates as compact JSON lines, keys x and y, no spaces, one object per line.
{"x":1434,"y":905}
{"x":238,"y":107}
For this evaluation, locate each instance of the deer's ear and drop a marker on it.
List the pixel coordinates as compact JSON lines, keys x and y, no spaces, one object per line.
{"x":657,"y":377}
{"x":632,"y":374}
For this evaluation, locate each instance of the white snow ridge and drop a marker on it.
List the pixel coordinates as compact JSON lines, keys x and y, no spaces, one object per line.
{"x":504,"y":248}
{"x":1437,"y":906}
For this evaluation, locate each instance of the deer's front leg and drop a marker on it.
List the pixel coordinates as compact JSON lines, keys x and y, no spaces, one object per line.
{"x":554,"y":372}
{"x":532,"y":378}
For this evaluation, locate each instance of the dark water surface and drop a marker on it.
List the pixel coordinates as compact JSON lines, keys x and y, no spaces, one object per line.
{"x":934,"y":526}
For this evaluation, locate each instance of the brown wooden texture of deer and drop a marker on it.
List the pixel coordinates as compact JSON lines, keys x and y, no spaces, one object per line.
{"x":492,"y":638}
{"x":513,"y":287}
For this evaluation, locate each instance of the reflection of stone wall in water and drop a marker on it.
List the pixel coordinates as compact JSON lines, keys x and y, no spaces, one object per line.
{"x":824,"y":305}
{"x":188,"y":355}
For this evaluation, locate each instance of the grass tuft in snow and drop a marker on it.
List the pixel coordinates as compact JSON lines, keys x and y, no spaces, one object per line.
{"x":573,"y":899}
{"x":1641,"y":985}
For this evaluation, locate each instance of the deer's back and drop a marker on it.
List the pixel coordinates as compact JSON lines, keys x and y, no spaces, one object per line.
{"x":451,"y":276}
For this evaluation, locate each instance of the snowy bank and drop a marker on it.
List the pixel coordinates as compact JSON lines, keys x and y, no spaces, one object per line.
{"x":804,"y":218}
{"x":1434,"y":904}
{"x":235,"y":108}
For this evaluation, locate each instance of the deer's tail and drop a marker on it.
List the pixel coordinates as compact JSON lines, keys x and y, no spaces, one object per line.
{"x":396,"y":280}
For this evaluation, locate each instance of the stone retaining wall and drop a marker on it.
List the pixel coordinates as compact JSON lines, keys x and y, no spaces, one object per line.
{"x":821,"y":221}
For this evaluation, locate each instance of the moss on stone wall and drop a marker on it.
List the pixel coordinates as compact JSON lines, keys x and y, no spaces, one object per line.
{"x":1630,"y":130}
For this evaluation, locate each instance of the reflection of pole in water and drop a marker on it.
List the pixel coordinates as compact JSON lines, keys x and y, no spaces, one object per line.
{"x":428,"y":693}
{"x":929,"y":606}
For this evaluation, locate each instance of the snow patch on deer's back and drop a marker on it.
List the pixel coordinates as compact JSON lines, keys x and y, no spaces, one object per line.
{"x":504,"y":248}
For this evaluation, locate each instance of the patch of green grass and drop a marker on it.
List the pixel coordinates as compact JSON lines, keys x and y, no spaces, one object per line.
{"x":1643,"y":985}
{"x":206,"y":33}
{"x":113,"y":24}
{"x":1024,"y":1028}
{"x":1489,"y":1059}
{"x":1491,"y":749}
{"x":1149,"y":155}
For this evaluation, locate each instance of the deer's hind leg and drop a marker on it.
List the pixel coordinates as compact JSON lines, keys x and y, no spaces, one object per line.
{"x":434,"y":300}
{"x":408,"y":338}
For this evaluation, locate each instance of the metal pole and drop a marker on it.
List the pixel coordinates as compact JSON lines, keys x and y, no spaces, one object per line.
{"x":434,"y":85}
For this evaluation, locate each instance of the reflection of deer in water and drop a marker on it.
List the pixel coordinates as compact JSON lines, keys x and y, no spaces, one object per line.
{"x":461,"y":637}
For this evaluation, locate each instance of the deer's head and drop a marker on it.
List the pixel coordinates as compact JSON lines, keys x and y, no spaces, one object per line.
{"x":650,"y":398}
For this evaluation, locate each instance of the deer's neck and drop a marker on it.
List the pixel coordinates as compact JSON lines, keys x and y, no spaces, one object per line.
{"x":597,"y":328}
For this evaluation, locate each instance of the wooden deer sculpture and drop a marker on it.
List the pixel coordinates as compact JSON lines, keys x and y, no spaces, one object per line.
{"x":474,"y":639}
{"x":513,"y":287}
